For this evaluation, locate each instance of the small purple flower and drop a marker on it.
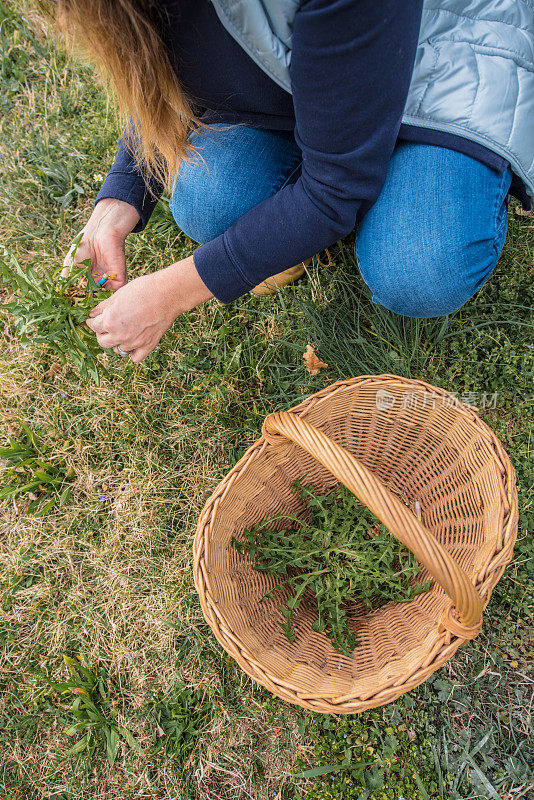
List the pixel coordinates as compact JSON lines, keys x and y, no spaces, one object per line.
{"x":63,"y":394}
{"x":102,"y":498}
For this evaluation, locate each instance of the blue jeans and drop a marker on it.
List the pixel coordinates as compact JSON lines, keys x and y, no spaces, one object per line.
{"x":430,"y":241}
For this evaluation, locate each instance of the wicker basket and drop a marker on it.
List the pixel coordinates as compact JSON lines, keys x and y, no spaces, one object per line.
{"x":407,"y":450}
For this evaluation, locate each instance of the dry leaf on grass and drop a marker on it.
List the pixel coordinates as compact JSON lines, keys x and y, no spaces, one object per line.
{"x":54,"y":369}
{"x":313,"y":362}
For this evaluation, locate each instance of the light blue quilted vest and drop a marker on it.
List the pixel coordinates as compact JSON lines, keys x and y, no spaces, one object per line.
{"x":473,"y":74}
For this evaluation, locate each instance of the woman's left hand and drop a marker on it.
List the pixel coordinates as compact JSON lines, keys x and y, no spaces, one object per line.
{"x":137,"y":315}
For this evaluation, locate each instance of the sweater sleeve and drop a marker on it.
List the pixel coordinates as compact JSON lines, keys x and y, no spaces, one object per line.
{"x":125,"y":182}
{"x":350,"y":72}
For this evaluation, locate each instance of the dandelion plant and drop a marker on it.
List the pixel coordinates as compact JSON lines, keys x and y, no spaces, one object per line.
{"x":50,"y":311}
{"x":35,"y":471}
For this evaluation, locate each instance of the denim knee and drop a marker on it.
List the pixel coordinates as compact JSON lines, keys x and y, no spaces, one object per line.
{"x":425,"y":277}
{"x":233,"y":169}
{"x":435,"y":233}
{"x":200,"y":220}
{"x":411,"y":289}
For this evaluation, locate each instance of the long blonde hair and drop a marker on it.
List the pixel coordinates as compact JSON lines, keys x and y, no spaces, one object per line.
{"x":123,"y":38}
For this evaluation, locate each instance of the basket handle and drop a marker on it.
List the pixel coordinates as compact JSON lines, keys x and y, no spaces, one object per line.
{"x":391,"y":511}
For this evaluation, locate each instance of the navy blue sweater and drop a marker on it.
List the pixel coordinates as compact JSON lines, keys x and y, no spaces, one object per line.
{"x":350,"y":72}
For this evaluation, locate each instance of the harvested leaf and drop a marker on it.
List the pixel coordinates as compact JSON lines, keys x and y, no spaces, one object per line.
{"x":313,"y":362}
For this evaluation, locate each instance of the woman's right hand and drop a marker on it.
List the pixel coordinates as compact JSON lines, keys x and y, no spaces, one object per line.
{"x":103,"y":241}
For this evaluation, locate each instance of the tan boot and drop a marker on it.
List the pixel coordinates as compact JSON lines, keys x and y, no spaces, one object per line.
{"x":271,"y":285}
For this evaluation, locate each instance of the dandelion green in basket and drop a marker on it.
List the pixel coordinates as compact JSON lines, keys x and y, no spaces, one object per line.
{"x":338,"y":552}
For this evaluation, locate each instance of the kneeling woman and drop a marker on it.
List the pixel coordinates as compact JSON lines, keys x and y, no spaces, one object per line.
{"x":280,"y":126}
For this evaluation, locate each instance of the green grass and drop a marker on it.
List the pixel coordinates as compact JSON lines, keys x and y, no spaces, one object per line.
{"x":106,"y":576}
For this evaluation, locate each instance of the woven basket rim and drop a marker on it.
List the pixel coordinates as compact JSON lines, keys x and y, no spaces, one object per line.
{"x":451,"y":634}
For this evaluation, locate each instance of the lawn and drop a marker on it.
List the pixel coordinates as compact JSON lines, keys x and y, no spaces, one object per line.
{"x":111,"y":683}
